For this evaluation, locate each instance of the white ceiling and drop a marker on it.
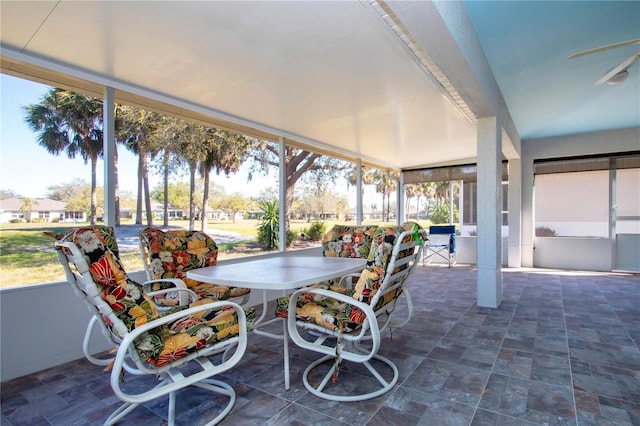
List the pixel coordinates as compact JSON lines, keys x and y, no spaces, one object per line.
{"x":333,"y":75}
{"x":549,"y":94}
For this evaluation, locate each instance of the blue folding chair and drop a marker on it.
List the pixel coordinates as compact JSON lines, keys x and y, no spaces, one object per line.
{"x":441,"y":243}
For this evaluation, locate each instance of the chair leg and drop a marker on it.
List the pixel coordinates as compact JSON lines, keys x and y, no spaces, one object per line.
{"x":223,"y":388}
{"x":407,"y":297}
{"x":86,"y":344}
{"x":318,"y":390}
{"x":211,"y":385}
{"x":119,"y":413}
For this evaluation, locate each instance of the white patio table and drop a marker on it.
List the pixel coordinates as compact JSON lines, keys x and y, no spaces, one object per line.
{"x":285,"y":273}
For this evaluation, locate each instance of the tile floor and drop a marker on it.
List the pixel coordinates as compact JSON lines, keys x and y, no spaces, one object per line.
{"x":562,"y":349}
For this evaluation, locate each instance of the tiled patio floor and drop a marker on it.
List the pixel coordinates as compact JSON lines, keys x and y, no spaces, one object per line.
{"x":562,"y":349}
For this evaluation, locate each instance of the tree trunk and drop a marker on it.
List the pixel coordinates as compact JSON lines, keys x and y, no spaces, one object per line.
{"x":140,"y":192}
{"x":205,"y":201}
{"x":116,"y":185}
{"x":407,"y":205}
{"x":361,"y":212}
{"x":288,"y":203}
{"x":166,"y":188}
{"x":92,"y":213}
{"x":192,"y":190}
{"x":147,"y":195}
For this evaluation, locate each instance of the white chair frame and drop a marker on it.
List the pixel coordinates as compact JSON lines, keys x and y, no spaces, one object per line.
{"x":350,"y":346}
{"x":186,"y":296}
{"x":439,"y":244}
{"x":127,"y":359}
{"x":178,"y":283}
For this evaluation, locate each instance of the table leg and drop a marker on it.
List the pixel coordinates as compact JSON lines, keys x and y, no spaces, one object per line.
{"x":285,"y":335}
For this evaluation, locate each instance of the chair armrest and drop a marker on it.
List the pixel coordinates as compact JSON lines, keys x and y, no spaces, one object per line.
{"x":348,"y":284}
{"x":369,"y":326}
{"x":186,"y":295}
{"x":209,"y":369}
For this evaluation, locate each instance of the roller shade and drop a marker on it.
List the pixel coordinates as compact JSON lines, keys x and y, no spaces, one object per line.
{"x":586,"y":164}
{"x":467,"y":173}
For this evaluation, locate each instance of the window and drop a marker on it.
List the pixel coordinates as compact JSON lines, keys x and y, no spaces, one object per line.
{"x":627,"y":207}
{"x":572,"y":196}
{"x":464,"y":177}
{"x":572,"y":204}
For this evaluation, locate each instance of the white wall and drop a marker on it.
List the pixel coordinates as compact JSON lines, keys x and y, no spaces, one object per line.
{"x":628,"y":252}
{"x":585,"y":254}
{"x":42,"y":325}
{"x":607,"y":142}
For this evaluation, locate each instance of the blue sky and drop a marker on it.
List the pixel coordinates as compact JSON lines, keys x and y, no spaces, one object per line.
{"x":28,"y":169}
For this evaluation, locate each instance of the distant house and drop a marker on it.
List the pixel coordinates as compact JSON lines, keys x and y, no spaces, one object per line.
{"x":157,"y":209}
{"x":42,"y":210}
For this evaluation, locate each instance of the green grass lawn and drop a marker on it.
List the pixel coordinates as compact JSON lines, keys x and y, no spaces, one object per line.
{"x":28,"y":257}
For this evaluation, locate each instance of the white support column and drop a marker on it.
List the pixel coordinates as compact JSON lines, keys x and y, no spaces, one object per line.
{"x":109,"y":148}
{"x":515,"y":211}
{"x":401,"y":215}
{"x":282,"y":195}
{"x":489,"y":239}
{"x":613,"y":205}
{"x":461,"y":207}
{"x":452,"y":205}
{"x":528,"y":214}
{"x":359,"y":192}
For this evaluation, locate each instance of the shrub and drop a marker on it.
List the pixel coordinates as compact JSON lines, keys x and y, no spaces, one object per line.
{"x":291,"y":237}
{"x":441,"y":214}
{"x":268,"y":225}
{"x":543,"y":231}
{"x":316,"y":230}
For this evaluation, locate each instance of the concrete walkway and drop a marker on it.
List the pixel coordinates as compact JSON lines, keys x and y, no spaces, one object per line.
{"x":127,"y":236}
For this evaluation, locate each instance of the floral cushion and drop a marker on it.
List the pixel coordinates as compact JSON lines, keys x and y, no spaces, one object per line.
{"x":131,"y":307}
{"x":339,"y":316}
{"x":171,"y":254}
{"x":381,"y":249}
{"x":345,"y":241}
{"x":348,"y":241}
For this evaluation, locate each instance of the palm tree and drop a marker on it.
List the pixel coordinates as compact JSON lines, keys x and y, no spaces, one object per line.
{"x":26,"y":207}
{"x":186,"y":139}
{"x":423,"y":189}
{"x":410,"y":192}
{"x":367,"y":178}
{"x":442,"y":192}
{"x":72,"y":123}
{"x":224,"y":151}
{"x":385,"y":183}
{"x":137,"y":128}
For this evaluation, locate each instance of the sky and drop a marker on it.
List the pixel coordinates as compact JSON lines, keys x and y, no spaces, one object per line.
{"x":28,"y":169}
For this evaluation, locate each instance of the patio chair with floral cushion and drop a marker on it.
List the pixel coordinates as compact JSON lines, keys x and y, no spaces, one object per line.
{"x":347,"y":325}
{"x":180,"y":346}
{"x":169,"y":255}
{"x":353,"y":241}
{"x":346,"y":241}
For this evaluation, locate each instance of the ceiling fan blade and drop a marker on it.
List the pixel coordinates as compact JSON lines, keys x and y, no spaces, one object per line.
{"x":619,"y":68}
{"x":600,"y":49}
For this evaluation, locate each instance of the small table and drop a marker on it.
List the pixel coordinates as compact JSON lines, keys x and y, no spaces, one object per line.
{"x":282,"y":272}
